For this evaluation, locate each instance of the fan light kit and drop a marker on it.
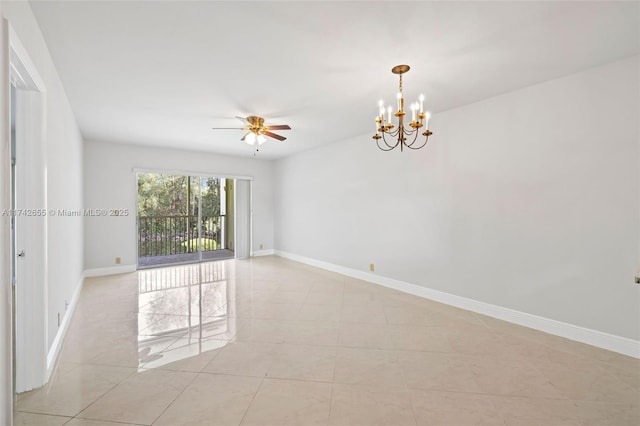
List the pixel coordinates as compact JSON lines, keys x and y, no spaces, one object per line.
{"x":257,"y":132}
{"x":385,"y":127}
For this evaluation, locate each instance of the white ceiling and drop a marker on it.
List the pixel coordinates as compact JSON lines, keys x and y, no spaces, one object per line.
{"x":164,"y":73}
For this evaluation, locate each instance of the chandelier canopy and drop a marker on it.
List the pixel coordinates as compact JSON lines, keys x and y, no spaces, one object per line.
{"x":400,"y":135}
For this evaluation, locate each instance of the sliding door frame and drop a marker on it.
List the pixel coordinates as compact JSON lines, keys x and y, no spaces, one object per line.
{"x":190,"y":174}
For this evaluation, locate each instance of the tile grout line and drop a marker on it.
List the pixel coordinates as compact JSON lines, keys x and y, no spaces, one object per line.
{"x":177,"y":396}
{"x":336,"y":346}
{"x":102,"y":395}
{"x":246,"y":411}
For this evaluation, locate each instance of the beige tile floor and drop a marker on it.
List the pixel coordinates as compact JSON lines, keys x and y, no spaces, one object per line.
{"x":268,"y":341}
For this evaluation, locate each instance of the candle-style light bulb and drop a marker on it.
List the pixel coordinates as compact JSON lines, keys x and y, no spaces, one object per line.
{"x":427,"y":116}
{"x":389,"y":111}
{"x":421,"y":103}
{"x":413,"y":112}
{"x":399,"y":96}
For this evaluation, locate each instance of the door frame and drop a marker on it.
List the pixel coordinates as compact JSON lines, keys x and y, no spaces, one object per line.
{"x":30,"y":328}
{"x":6,"y":324}
{"x":134,"y":208}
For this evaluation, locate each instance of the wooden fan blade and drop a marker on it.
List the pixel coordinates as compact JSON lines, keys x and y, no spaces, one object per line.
{"x":279,"y":127}
{"x":245,"y":135}
{"x":273,"y":135}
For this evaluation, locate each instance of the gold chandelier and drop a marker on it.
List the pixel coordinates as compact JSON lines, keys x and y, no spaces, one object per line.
{"x":402,"y":136}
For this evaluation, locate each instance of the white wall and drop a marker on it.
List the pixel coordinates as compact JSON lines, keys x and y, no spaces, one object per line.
{"x":110,"y":183}
{"x":529,"y":200}
{"x":63,"y":174}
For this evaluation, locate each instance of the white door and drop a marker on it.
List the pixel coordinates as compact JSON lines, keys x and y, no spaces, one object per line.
{"x":29,"y":243}
{"x":28,"y":201}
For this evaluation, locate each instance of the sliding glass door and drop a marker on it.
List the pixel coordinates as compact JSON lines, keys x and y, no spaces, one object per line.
{"x":183,"y":219}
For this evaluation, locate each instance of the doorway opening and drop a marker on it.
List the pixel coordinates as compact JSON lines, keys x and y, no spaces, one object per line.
{"x":184,"y":219}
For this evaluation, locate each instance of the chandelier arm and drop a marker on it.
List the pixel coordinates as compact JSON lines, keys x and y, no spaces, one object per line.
{"x":426,"y":139}
{"x":410,"y":132}
{"x":390,"y":147}
{"x":387,"y":147}
{"x":413,"y":133}
{"x":383,"y":148}
{"x":393,"y":133}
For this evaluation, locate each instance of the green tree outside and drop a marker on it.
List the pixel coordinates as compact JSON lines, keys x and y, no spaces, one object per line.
{"x":168,"y":213}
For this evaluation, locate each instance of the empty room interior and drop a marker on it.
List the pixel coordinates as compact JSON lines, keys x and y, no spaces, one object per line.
{"x":320,"y":213}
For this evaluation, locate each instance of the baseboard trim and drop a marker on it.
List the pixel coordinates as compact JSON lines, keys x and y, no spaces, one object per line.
{"x":56,"y":346}
{"x":262,"y":253}
{"x":111,"y":270}
{"x":611,"y":342}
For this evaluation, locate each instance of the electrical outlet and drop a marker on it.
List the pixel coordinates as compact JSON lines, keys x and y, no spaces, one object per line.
{"x":372,"y":267}
{"x":118,"y":260}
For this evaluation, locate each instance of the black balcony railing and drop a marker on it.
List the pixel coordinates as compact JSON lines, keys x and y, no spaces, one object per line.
{"x":166,"y":235}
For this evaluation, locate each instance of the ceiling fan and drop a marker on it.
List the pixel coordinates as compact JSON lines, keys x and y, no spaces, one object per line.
{"x":256,"y":130}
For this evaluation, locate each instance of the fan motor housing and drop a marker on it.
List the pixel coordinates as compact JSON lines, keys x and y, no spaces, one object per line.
{"x":255,"y":121}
